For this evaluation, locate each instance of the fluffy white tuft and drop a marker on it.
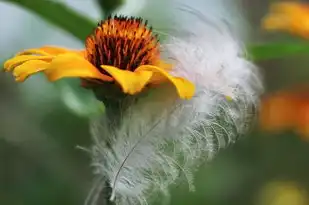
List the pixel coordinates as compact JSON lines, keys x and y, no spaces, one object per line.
{"x":161,"y":138}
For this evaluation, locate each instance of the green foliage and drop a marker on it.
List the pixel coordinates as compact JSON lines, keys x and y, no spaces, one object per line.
{"x":274,"y":50}
{"x":108,"y":6}
{"x":60,"y":15}
{"x":79,"y":100}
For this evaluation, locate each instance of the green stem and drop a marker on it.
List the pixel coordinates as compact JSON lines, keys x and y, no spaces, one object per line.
{"x":275,"y":50}
{"x":60,"y":15}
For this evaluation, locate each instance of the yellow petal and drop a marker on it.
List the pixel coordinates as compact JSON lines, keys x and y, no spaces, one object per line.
{"x":58,"y":50}
{"x":184,"y":87}
{"x":17,"y":60}
{"x":33,"y":51}
{"x":158,"y":79}
{"x":23,"y":71}
{"x":53,"y":50}
{"x":131,"y":82}
{"x":165,"y":66}
{"x":47,"y":50}
{"x":73,"y":65}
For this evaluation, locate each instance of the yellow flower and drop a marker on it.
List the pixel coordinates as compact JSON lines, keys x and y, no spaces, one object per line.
{"x":122,"y":51}
{"x":291,"y":16}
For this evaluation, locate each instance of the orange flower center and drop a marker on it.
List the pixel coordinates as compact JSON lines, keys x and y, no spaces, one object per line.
{"x":122,"y":42}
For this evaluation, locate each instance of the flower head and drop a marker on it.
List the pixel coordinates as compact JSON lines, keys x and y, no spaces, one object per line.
{"x":292,"y":17}
{"x":122,"y":51}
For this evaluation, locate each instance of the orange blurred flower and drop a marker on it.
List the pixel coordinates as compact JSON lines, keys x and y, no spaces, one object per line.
{"x":286,"y":110}
{"x":122,"y":51}
{"x":288,"y":16}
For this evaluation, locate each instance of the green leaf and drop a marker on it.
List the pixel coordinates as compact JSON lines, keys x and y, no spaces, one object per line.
{"x":108,"y":6}
{"x":78,"y":100}
{"x":268,"y":51}
{"x":60,"y":15}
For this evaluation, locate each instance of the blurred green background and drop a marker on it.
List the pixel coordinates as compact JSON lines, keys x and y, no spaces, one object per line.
{"x":41,"y":124}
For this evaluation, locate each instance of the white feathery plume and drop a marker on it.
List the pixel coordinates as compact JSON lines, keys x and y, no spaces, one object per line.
{"x":161,"y":138}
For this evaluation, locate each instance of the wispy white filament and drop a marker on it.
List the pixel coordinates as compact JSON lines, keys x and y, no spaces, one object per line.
{"x":161,"y":138}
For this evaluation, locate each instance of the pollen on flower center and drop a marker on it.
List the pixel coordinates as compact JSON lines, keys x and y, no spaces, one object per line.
{"x":122,"y":42}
